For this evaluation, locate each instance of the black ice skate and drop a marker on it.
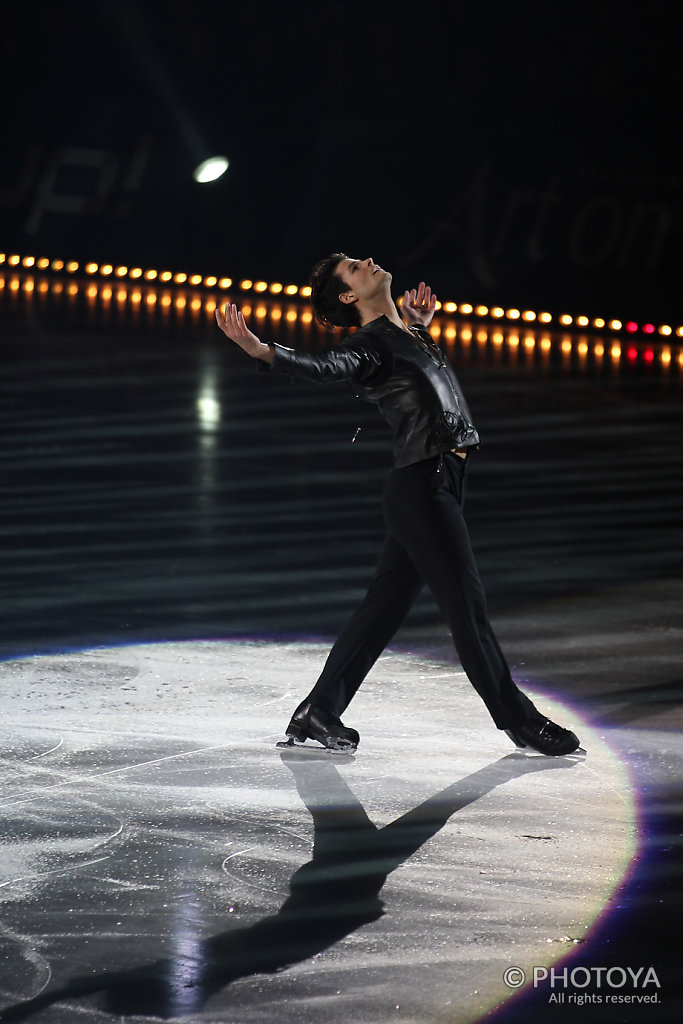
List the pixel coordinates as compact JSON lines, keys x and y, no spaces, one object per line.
{"x":545,"y":737}
{"x":309,"y":723}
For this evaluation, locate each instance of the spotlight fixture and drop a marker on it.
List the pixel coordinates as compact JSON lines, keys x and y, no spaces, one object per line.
{"x":211,"y":169}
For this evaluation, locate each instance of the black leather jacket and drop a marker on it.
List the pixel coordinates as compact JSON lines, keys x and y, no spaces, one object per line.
{"x":406,"y":376}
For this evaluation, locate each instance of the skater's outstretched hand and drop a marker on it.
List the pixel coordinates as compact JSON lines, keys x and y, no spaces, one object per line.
{"x":233,"y":325}
{"x":418,"y":305}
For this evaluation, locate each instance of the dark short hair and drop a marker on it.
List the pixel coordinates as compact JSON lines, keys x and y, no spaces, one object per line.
{"x":326,"y":287}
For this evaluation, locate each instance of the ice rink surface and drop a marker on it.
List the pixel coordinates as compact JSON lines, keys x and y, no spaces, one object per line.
{"x":182,"y":541}
{"x":162,"y":856}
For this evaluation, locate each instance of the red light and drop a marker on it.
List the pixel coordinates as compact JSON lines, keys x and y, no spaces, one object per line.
{"x":649,"y":328}
{"x":632,"y":353}
{"x":648,"y":355}
{"x":631,"y":326}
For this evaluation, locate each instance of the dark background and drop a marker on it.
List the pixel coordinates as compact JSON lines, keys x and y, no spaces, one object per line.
{"x":522,"y":153}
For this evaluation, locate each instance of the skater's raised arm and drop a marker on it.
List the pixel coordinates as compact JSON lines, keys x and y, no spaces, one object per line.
{"x":347,"y":362}
{"x":233,"y":325}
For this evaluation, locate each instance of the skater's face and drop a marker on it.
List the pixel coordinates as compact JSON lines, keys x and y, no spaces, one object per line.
{"x":363,"y":278}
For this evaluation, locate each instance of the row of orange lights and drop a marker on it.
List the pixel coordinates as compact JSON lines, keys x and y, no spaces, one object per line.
{"x":165,"y":276}
{"x":449,"y":331}
{"x":465,"y":309}
{"x":567,"y":345}
{"x":106,"y":293}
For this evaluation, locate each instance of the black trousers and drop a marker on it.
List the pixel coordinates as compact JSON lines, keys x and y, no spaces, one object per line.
{"x":428,"y":542}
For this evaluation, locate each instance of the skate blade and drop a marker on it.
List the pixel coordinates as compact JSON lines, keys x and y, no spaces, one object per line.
{"x":311,"y":749}
{"x":530,"y":753}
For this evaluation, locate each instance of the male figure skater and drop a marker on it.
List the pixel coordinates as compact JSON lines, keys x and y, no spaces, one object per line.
{"x":392,"y":361}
